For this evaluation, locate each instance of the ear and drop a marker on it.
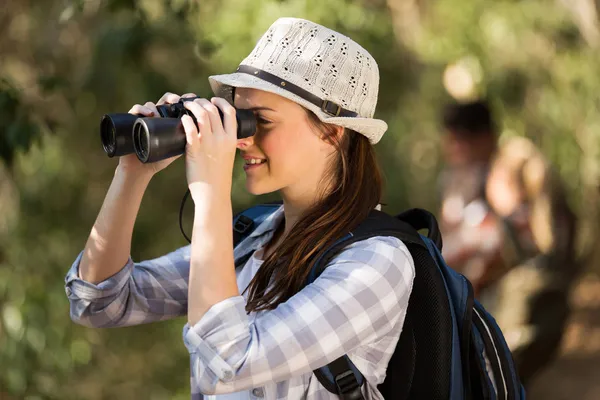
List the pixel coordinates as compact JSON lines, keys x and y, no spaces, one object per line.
{"x":337,"y":135}
{"x":339,"y":132}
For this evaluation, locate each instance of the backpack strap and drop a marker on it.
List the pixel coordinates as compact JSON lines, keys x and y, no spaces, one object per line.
{"x":340,"y":376}
{"x":378,"y":223}
{"x":419,"y":219}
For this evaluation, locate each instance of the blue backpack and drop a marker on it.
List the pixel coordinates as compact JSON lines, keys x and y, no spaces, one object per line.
{"x":440,"y":353}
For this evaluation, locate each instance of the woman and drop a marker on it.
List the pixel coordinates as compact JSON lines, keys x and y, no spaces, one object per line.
{"x":256,"y":331}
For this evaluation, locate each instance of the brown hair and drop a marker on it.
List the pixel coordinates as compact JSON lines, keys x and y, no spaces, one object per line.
{"x":356,"y":190}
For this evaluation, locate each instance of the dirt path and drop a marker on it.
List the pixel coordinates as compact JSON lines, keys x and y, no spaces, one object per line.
{"x":576,"y":373}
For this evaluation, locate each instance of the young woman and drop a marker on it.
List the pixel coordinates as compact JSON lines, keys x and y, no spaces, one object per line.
{"x":256,"y":331}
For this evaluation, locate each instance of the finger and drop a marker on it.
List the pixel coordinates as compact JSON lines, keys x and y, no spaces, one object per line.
{"x":229,"y":115}
{"x":213,"y":114}
{"x":168,"y":98}
{"x":202,"y":117}
{"x":152,"y":106}
{"x":191,"y":132}
{"x":142,"y":110}
{"x":189,"y":95}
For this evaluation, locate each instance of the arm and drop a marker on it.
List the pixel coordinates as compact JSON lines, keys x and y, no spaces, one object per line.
{"x":109,"y":244}
{"x":212,"y":271}
{"x":104,"y":286}
{"x":360,"y":297}
{"x":210,"y":154}
{"x":550,"y":219}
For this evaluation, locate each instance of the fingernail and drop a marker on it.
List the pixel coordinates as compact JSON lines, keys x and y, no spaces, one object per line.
{"x":151,"y":114}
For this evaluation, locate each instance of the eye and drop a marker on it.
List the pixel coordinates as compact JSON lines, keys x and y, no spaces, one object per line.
{"x":262,"y":121}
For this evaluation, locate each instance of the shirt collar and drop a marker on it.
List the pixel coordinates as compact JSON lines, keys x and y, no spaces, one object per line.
{"x":269,"y":224}
{"x":261,"y":235}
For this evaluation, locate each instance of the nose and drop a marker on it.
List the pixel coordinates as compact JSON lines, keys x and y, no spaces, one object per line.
{"x":245,"y":143}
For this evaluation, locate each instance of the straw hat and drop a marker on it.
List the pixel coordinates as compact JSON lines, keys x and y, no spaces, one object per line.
{"x":320,"y":69}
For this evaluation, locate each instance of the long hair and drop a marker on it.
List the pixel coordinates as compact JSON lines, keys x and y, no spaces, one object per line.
{"x":351,"y":188}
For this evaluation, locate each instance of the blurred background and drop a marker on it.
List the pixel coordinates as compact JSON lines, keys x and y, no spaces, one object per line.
{"x":65,"y":63}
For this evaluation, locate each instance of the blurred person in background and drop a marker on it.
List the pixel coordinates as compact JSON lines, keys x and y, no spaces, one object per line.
{"x":508,"y":228}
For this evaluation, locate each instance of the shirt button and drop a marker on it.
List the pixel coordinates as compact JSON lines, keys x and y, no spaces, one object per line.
{"x":258,"y":392}
{"x":227,"y":375}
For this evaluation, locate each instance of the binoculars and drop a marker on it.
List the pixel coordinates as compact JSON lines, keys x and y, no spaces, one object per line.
{"x":154,"y":139}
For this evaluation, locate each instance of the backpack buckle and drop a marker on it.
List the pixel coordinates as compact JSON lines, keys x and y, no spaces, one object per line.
{"x":242,"y":224}
{"x":348,"y":386}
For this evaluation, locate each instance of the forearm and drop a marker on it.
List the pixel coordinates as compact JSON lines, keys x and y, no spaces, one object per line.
{"x":212,"y":272}
{"x":109,"y":245}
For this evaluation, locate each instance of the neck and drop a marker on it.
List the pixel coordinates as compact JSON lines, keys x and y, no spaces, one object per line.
{"x":293,"y":208}
{"x":296,"y":201}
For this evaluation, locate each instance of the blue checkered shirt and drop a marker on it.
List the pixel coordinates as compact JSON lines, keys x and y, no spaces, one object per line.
{"x":356,"y":307}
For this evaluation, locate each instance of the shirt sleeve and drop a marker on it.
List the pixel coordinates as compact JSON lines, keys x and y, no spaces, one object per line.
{"x":361,"y":297}
{"x":139,"y":293}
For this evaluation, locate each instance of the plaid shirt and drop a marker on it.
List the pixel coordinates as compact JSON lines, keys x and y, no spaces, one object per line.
{"x":356,"y":307}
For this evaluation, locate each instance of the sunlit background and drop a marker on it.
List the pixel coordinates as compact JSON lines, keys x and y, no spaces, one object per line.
{"x":65,"y":63}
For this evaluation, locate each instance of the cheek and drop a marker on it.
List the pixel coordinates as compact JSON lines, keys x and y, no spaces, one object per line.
{"x":295,"y":154}
{"x":274,"y":148}
{"x":284,"y":151}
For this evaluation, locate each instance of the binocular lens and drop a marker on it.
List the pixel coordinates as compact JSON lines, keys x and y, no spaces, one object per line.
{"x":156,"y":139}
{"x":108,"y":136}
{"x":115,"y":133}
{"x":140,"y":141}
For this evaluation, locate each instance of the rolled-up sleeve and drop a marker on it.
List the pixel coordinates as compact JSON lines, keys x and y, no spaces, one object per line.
{"x":218,"y":338}
{"x":361,"y":297}
{"x":139,"y":293}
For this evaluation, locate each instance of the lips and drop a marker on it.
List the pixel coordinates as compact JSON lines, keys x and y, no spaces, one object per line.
{"x":254,"y":161}
{"x":251,"y":162}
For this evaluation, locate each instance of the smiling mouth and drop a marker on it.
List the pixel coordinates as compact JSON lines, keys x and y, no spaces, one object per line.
{"x":255,"y":161}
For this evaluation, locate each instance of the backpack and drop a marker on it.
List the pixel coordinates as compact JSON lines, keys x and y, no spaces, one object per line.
{"x":446,"y":332}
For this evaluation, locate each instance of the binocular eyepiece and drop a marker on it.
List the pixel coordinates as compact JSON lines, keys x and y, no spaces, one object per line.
{"x":154,"y":139}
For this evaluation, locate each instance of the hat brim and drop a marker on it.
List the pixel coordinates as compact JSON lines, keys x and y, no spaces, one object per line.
{"x":222,"y":86}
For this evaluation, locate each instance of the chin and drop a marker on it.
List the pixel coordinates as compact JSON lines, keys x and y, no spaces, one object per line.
{"x":257,"y":188}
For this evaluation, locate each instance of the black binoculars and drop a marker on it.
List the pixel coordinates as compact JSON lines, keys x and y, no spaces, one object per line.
{"x":154,"y":139}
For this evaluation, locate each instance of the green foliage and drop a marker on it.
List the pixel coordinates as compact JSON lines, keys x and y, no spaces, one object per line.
{"x":17,"y":130}
{"x":64,"y":64}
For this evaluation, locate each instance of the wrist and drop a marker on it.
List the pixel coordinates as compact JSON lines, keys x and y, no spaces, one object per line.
{"x":211,"y":205}
{"x":203,"y":191}
{"x":133,"y":174}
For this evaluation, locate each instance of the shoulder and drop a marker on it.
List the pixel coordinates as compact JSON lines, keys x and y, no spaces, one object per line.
{"x":517,"y":146}
{"x":514,"y":152}
{"x":521,"y":156}
{"x":379,"y":257}
{"x":388,"y":247}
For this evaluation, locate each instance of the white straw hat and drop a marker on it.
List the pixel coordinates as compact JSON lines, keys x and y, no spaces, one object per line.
{"x":320,"y":69}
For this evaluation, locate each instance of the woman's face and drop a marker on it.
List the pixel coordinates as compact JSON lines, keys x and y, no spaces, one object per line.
{"x":287,"y":153}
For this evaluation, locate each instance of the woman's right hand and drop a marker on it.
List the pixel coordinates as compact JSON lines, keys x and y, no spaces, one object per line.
{"x":130,"y":163}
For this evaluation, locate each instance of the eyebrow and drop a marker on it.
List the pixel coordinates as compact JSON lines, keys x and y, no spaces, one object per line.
{"x":260,"y":109}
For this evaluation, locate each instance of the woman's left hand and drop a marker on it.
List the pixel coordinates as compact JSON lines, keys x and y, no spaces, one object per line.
{"x":210,"y":150}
